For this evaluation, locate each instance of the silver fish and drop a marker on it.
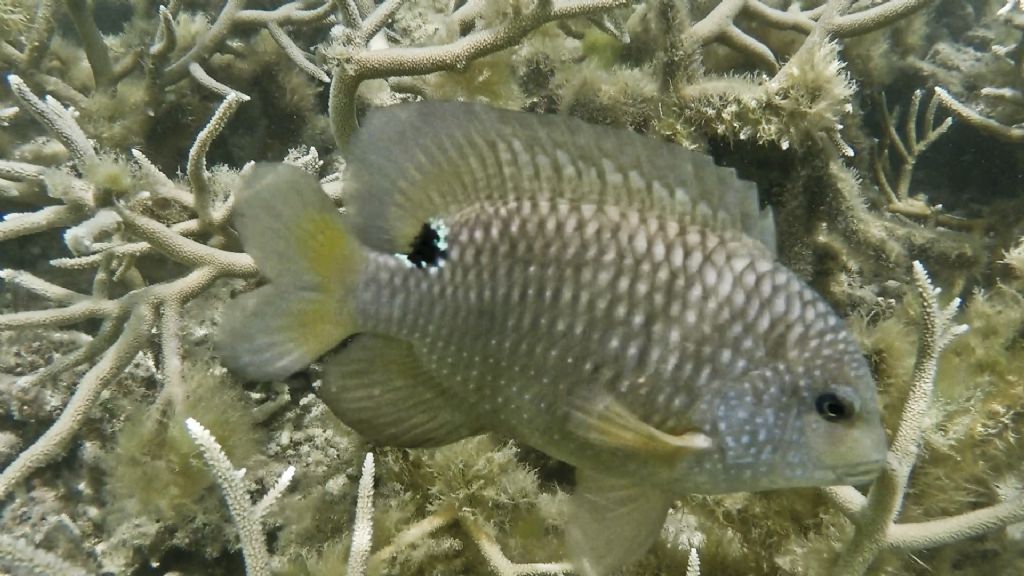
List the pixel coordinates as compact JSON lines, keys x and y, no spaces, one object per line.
{"x":611,"y":300}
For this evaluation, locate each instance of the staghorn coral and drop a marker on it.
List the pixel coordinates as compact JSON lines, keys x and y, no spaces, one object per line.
{"x":998,"y":106}
{"x":121,"y":144}
{"x":797,"y":106}
{"x":247,"y":517}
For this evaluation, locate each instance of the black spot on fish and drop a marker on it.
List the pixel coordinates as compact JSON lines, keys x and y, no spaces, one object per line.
{"x":429,"y":249}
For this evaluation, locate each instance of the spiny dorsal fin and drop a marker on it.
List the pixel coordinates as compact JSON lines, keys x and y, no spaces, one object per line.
{"x":412,"y":162}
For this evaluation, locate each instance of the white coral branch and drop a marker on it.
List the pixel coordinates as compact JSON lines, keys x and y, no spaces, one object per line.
{"x":362,"y":531}
{"x":246,"y":516}
{"x":60,"y":121}
{"x":877,"y":529}
{"x":271,"y":497}
{"x":693,"y":563}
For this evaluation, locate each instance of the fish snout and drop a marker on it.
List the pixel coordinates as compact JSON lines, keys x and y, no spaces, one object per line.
{"x":863,"y":472}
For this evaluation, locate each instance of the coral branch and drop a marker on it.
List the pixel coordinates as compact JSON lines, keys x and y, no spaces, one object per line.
{"x":356,"y":65}
{"x":295,"y":53}
{"x":874,"y":18}
{"x":91,"y":350}
{"x":185,"y":251}
{"x":362,"y":530}
{"x":92,"y":42}
{"x":21,"y":170}
{"x":54,"y":317}
{"x":418,"y":531}
{"x":165,"y":187}
{"x":290,"y":13}
{"x":376,"y":21}
{"x":42,"y":33}
{"x":875,"y":522}
{"x":712,"y":26}
{"x":247,"y":518}
{"x":720,"y":24}
{"x":848,"y":499}
{"x":197,"y":158}
{"x":15,"y":225}
{"x":693,"y":563}
{"x":918,"y":535}
{"x":127,"y":250}
{"x":907,"y":149}
{"x":200,"y":75}
{"x":779,"y":19}
{"x":139,"y":309}
{"x":58,"y":120}
{"x":1013,"y":134}
{"x":38,"y":286}
{"x":497,"y":559}
{"x":207,"y":43}
{"x":53,"y":443}
{"x":360,"y":563}
{"x":274,"y":494}
{"x":170,"y":352}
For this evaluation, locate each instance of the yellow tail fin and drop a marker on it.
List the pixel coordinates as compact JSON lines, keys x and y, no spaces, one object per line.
{"x":303,"y":248}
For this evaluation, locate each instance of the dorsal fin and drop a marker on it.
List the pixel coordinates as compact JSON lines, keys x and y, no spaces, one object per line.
{"x":412,"y":162}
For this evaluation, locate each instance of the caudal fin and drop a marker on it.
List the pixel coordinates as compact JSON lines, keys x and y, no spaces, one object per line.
{"x":303,"y":248}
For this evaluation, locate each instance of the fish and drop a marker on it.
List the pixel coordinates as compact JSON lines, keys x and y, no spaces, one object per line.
{"x":609,"y":299}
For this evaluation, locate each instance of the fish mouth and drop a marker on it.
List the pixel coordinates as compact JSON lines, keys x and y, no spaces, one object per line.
{"x":860,"y":472}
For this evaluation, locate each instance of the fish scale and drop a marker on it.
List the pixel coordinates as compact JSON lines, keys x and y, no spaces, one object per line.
{"x":608,"y":299}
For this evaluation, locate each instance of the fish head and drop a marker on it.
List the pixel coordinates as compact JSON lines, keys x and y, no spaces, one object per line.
{"x":798,"y":425}
{"x":840,"y":420}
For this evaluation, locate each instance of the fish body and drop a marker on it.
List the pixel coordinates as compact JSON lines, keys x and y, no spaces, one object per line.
{"x":542,"y":308}
{"x":610,"y":300}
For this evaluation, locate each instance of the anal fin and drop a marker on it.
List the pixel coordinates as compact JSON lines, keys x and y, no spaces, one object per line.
{"x":612,"y":522}
{"x":377,"y":386}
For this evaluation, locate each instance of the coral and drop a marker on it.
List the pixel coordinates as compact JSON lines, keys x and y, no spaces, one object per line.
{"x":247,"y":517}
{"x":356,"y":64}
{"x":362,"y":530}
{"x":795,"y":107}
{"x":151,"y":468}
{"x":482,"y":490}
{"x":906,"y":149}
{"x":874,"y":517}
{"x":1001,"y":99}
{"x":968,"y":443}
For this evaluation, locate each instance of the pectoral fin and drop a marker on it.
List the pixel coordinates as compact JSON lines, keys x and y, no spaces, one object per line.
{"x":607,"y":422}
{"x":612,"y":521}
{"x":378,"y":386}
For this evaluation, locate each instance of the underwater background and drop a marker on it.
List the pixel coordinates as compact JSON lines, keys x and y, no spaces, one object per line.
{"x":881,"y":133}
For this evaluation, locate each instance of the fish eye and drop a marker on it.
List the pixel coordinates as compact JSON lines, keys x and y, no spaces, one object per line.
{"x":834,"y":408}
{"x":430,"y":247}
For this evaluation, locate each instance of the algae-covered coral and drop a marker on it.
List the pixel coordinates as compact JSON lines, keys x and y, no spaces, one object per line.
{"x":124,"y":126}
